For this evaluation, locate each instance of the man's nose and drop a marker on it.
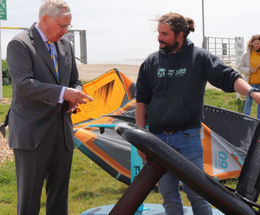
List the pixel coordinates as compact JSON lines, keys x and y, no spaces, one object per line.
{"x":65,"y":30}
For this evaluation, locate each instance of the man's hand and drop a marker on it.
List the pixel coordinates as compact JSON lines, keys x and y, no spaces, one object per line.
{"x":74,"y":96}
{"x":73,"y":107}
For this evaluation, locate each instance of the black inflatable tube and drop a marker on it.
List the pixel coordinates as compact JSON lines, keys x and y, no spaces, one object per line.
{"x":136,"y":193}
{"x":173,"y":162}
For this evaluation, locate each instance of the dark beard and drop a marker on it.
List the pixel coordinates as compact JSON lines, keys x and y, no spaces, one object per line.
{"x":170,"y":48}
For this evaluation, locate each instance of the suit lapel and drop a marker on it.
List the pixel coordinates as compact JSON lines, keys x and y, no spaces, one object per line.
{"x":40,"y":46}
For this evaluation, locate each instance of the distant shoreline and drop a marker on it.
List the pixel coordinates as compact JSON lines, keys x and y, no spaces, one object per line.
{"x":136,"y":62}
{"x":88,"y":72}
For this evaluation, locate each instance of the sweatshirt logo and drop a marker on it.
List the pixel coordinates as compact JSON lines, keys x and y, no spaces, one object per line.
{"x":170,"y":72}
{"x":161,"y":72}
{"x":179,"y":72}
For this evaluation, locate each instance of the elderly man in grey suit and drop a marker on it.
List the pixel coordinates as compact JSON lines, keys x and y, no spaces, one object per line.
{"x":46,"y":90}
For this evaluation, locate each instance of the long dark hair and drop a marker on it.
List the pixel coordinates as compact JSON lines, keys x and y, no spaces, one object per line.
{"x":177,"y":23}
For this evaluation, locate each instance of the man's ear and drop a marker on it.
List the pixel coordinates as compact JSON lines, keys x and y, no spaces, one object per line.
{"x":180,"y":35}
{"x":45,"y":19}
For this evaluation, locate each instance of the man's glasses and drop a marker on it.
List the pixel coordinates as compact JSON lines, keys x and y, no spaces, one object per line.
{"x":64,"y":26}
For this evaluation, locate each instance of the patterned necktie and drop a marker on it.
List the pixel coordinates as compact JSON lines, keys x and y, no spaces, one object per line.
{"x":53,"y":57}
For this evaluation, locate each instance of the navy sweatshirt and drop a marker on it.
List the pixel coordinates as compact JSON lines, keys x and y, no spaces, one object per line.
{"x":173,"y":86}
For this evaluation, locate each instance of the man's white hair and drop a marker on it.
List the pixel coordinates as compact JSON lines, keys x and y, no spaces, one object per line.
{"x":54,"y":8}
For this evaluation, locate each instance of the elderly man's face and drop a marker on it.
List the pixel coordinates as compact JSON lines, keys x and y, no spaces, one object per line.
{"x":56,"y":28}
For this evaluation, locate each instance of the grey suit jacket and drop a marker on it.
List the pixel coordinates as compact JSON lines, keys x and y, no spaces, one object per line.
{"x":36,"y":88}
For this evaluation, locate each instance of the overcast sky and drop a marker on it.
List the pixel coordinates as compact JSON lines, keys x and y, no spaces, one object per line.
{"x":122,"y":29}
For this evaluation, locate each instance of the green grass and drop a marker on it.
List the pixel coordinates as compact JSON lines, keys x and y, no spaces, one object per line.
{"x":7,"y":91}
{"x":227,"y":101}
{"x":5,"y":104}
{"x":91,"y":186}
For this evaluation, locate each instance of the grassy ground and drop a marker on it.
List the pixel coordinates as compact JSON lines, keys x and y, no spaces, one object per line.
{"x":5,"y":103}
{"x":90,"y":186}
{"x":228,"y":101}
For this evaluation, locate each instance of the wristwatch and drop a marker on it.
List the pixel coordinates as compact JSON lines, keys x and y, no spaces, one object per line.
{"x":251,"y":90}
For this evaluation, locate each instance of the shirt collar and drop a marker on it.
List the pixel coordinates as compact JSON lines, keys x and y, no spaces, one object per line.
{"x":44,"y":38}
{"x":41,"y":33}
